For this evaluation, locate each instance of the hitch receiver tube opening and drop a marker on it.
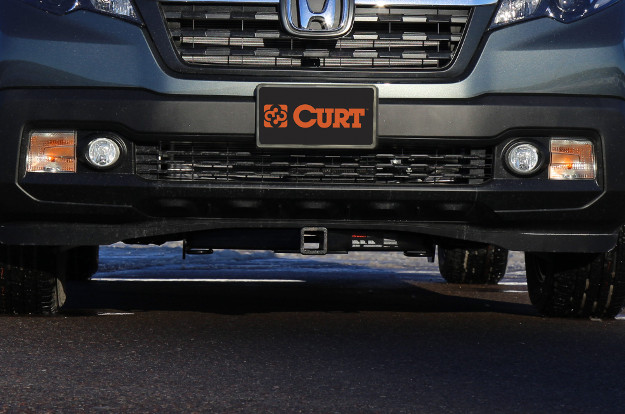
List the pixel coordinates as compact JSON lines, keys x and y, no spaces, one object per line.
{"x":314,"y":241}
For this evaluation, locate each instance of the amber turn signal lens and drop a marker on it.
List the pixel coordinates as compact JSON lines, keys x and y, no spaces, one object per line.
{"x":51,"y":151}
{"x":572,"y":159}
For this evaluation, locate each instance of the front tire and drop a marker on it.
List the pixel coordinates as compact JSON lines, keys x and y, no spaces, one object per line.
{"x":578,"y":285}
{"x":484,"y":265}
{"x":30,"y":280}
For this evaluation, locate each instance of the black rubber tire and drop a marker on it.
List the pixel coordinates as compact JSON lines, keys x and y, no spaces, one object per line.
{"x":30,"y":281}
{"x":578,"y":285}
{"x":29,"y":292}
{"x":484,"y":265}
{"x":82,"y":262}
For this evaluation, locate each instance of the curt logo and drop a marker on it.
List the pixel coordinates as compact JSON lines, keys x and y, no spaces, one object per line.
{"x":276,"y":116}
{"x":306,"y":116}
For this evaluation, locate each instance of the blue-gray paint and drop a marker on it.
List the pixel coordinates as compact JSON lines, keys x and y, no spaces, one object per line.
{"x":85,"y":49}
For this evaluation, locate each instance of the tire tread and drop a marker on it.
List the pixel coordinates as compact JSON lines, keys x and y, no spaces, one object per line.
{"x":567,"y":285}
{"x":480,"y":265}
{"x":27,"y":291}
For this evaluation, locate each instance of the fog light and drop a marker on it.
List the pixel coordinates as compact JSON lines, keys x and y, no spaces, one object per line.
{"x":103,"y":152}
{"x":51,"y":152}
{"x":523,"y":158}
{"x":572,"y":159}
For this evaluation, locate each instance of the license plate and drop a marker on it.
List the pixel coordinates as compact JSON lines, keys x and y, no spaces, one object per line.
{"x":316,"y":116}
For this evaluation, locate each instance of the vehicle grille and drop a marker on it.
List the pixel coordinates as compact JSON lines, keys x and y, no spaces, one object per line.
{"x":243,"y":163}
{"x":250,"y":35}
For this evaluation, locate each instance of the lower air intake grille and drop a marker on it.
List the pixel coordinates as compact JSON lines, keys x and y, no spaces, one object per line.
{"x":243,"y":163}
{"x":250,"y":35}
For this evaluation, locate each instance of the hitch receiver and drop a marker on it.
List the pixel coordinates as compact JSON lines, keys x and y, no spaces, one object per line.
{"x":314,"y":241}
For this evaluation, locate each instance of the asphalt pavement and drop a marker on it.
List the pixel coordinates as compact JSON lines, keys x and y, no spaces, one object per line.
{"x":335,"y":344}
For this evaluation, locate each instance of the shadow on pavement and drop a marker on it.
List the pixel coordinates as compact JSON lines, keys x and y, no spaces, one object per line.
{"x":309,"y":296}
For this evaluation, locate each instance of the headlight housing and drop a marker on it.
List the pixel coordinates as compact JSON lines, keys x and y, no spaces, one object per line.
{"x":119,"y":8}
{"x":566,"y":11}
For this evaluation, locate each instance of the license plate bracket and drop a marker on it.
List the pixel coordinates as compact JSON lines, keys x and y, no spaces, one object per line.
{"x":316,"y":116}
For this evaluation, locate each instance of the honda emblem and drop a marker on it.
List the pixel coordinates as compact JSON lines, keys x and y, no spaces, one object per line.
{"x":335,"y":18}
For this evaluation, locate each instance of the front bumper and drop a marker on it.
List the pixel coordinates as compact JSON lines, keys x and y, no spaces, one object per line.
{"x":89,"y":72}
{"x":99,"y":207}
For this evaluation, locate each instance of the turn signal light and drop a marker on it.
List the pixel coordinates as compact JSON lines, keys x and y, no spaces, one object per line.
{"x":572,"y":159}
{"x":51,"y":152}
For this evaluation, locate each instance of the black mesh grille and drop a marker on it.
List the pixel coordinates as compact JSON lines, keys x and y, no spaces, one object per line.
{"x":242,"y":162}
{"x":248,"y":35}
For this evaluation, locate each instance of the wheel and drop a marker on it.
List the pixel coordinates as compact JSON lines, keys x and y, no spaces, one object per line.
{"x":30,"y":281}
{"x":82,"y":262}
{"x":578,"y":285}
{"x":475,"y":265}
